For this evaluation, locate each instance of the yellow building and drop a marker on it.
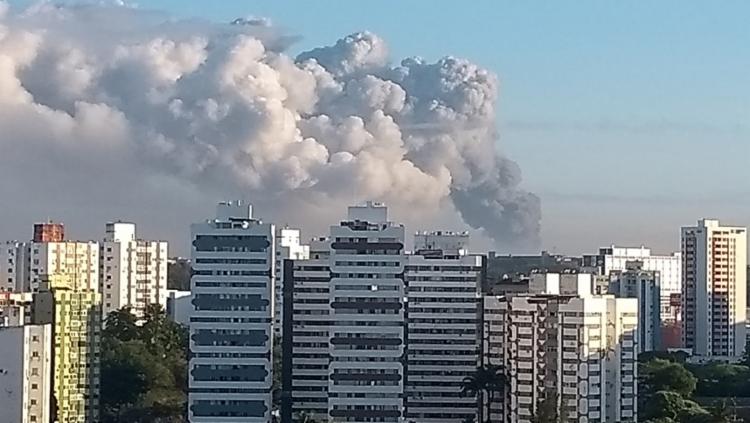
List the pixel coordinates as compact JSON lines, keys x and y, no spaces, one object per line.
{"x":75,"y":315}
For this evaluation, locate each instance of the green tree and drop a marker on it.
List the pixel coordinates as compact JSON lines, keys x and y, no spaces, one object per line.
{"x":722,"y":380}
{"x":144,"y":368}
{"x":663,"y":375}
{"x":120,"y":325}
{"x":178,"y":275}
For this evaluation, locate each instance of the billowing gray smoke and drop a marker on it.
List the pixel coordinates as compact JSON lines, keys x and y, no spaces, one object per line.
{"x":112,"y":98}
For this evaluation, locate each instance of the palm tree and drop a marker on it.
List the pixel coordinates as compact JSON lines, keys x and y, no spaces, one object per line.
{"x":486,"y":382}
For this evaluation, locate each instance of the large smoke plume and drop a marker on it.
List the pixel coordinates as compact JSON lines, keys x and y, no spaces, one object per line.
{"x":112,"y":97}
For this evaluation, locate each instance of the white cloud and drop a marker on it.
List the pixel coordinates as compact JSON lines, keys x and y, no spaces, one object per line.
{"x":222,"y":110}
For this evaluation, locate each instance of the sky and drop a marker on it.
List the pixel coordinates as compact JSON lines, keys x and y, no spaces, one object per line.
{"x":628,"y":119}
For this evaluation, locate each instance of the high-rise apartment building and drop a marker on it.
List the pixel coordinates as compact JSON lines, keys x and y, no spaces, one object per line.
{"x":25,"y":373}
{"x":288,"y":247}
{"x":49,"y":232}
{"x":78,"y":261}
{"x":366,"y":335}
{"x":575,"y":354}
{"x":375,"y":334}
{"x":614,"y":258}
{"x":231,"y":323}
{"x":306,"y":335}
{"x":444,"y":326}
{"x":133,"y":272}
{"x":344,"y":342}
{"x":74,"y":312}
{"x":643,"y":285}
{"x":714,"y":289}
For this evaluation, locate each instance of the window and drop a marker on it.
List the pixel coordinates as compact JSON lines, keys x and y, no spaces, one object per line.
{"x":34,"y":386}
{"x":34,"y":372}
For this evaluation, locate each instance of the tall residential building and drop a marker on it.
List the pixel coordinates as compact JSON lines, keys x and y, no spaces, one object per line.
{"x":79,"y":261}
{"x":614,"y":258}
{"x":133,"y":272}
{"x":643,"y":285}
{"x":574,"y":354}
{"x":714,"y":289}
{"x":306,"y":335}
{"x":372,"y":333}
{"x":288,"y":247}
{"x":49,"y":232}
{"x":344,"y":341}
{"x":25,"y":373}
{"x":231,"y":324}
{"x":366,"y":336}
{"x":444,"y":326}
{"x":74,"y":312}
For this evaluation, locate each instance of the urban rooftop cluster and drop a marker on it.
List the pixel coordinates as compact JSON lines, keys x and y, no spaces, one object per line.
{"x":352,"y":327}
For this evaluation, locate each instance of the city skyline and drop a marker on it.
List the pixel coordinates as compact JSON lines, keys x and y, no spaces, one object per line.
{"x":633,"y":110}
{"x":400,"y":212}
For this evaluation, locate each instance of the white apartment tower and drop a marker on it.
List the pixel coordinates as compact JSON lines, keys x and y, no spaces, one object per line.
{"x":616,"y":258}
{"x":231,"y":322}
{"x":714,"y":289}
{"x":643,"y":285}
{"x":372,"y":334}
{"x":366,"y":336}
{"x":133,"y":272}
{"x":444,"y":323}
{"x":574,"y":354}
{"x":26,"y":373}
{"x":288,"y":247}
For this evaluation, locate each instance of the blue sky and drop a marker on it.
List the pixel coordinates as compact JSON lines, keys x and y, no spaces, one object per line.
{"x":629,"y":119}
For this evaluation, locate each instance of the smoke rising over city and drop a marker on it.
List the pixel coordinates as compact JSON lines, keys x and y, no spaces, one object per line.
{"x":160,"y":109}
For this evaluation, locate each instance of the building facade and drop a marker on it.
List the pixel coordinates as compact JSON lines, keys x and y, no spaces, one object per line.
{"x":714,"y":289}
{"x":77,"y":261}
{"x":373,"y":334}
{"x":179,"y":306}
{"x":367,"y":336}
{"x":614,"y":258}
{"x":231,"y":322}
{"x":643,"y":285}
{"x":306,"y":335}
{"x":74,"y":314}
{"x":25,"y":373}
{"x":11,"y":263}
{"x":48,"y":232}
{"x":444,"y":326}
{"x":288,"y":247}
{"x":15,"y":308}
{"x":576,"y":355}
{"x":133,"y":272}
